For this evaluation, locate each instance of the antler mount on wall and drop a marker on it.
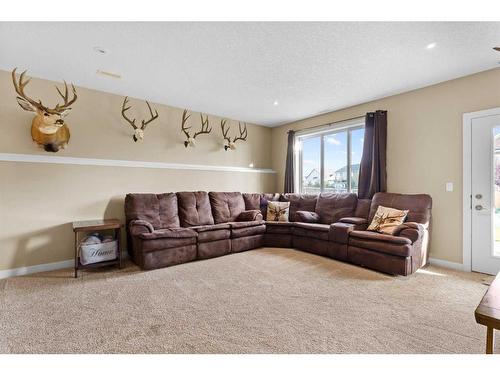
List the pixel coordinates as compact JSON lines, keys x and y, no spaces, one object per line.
{"x":205,"y":128}
{"x":231,"y":144}
{"x":138,"y":131}
{"x":48,"y":128}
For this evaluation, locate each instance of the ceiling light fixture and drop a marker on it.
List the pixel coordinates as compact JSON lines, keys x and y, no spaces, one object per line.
{"x":431,"y":45}
{"x":276,"y":103}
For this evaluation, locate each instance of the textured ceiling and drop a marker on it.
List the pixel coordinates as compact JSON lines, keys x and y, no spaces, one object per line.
{"x":238,"y":70}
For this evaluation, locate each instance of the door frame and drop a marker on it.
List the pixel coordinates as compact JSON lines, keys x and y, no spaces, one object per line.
{"x":467,"y":181}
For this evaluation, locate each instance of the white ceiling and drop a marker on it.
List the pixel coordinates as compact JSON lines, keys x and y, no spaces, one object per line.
{"x":238,"y":70}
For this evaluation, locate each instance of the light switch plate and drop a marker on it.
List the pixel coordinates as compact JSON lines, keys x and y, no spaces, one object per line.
{"x":449,"y":186}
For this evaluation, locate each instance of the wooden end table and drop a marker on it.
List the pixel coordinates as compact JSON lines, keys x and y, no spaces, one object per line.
{"x":93,"y":226}
{"x":488,"y":313}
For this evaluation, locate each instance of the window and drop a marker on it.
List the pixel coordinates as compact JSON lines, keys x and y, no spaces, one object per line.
{"x":328,"y":159}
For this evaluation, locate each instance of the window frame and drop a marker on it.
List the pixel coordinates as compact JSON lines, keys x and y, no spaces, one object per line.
{"x":322,"y":131}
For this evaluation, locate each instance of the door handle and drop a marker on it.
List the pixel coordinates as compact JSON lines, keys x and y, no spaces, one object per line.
{"x":479,"y":207}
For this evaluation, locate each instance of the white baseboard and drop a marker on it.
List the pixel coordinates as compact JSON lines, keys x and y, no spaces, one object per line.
{"x":70,"y":263}
{"x":37,"y":268}
{"x":447,"y":264}
{"x":21,"y":271}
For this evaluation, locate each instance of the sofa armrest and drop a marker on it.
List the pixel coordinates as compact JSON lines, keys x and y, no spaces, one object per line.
{"x":137,"y":227}
{"x":412,"y":231}
{"x":354,"y":220}
{"x":339,"y":232}
{"x":250,"y":215}
{"x":307,"y":216}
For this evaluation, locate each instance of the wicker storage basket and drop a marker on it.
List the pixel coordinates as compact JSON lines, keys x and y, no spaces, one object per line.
{"x":98,"y":252}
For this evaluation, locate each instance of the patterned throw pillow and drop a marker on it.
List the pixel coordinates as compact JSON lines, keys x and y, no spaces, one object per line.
{"x":386,"y":219}
{"x":278,"y":211}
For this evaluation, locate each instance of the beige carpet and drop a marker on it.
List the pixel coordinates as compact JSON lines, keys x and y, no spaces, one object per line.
{"x":261,"y":301}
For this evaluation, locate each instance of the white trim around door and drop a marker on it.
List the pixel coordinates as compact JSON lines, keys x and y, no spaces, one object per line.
{"x":467,"y":180}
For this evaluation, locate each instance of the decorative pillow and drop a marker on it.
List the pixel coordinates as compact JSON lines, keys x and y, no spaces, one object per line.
{"x":307,"y":216}
{"x":277,"y":211}
{"x":387,"y":219}
{"x":249,"y":215}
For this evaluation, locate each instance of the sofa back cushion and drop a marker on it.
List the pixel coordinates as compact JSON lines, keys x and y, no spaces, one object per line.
{"x":363,"y":208}
{"x":299,"y":202}
{"x":160,"y":210}
{"x":252,"y":201}
{"x":194,"y":208}
{"x":418,"y":205}
{"x":226,"y":206}
{"x":258,"y":201}
{"x":333,"y":206}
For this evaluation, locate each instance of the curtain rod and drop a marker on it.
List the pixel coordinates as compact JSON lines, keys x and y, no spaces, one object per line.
{"x":330,"y":123}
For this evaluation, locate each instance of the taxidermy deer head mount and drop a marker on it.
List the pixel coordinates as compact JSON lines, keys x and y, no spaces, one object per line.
{"x":205,"y":128}
{"x":48,"y":128}
{"x":138,"y":131}
{"x":242,"y":137}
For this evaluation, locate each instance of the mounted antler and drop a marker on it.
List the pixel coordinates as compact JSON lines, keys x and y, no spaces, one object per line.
{"x":138,"y":132}
{"x":230,"y":145}
{"x":205,"y":129}
{"x":242,"y":137}
{"x":243,"y":133}
{"x":48,"y":128}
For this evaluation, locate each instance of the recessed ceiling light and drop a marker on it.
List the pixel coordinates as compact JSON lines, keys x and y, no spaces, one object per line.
{"x":276,"y":103}
{"x":100,"y":50}
{"x":431,"y":45}
{"x":250,"y":165}
{"x":108,"y":74}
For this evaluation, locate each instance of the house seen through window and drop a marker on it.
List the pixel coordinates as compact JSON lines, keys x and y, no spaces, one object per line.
{"x":328,"y":161}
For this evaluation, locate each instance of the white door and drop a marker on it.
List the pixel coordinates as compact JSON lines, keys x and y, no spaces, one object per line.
{"x":485,"y":200}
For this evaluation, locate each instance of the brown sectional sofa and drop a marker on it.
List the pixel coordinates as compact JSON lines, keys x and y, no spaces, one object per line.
{"x":173,"y":228}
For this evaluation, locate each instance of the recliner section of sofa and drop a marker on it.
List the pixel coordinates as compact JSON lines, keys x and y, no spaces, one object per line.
{"x":172,"y":228}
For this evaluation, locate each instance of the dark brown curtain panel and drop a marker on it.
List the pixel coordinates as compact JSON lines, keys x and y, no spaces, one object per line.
{"x":372,"y":171}
{"x":289,"y":177}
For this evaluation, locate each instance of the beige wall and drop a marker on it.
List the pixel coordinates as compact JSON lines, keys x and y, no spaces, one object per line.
{"x":38,"y":201}
{"x":424,"y":148}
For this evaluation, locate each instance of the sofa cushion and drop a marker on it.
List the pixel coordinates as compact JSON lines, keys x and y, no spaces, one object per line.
{"x":333,"y":206}
{"x":363,"y":208}
{"x":252,"y":201}
{"x":226,"y":206}
{"x":194,"y":208}
{"x":354,"y":220}
{"x":246,"y":224}
{"x":278,"y":211}
{"x":207,"y":228}
{"x":387,"y":219}
{"x":143,"y":207}
{"x":279,"y":227}
{"x":265,"y":199}
{"x":374,"y":236}
{"x":166,"y":243}
{"x":160,"y":210}
{"x":249,"y":215}
{"x":313,"y":230}
{"x":418,"y":205}
{"x":169,"y":212}
{"x":168,"y":233}
{"x":214,"y":235}
{"x":248,"y":231}
{"x":299,"y":202}
{"x":383,"y":243}
{"x":307,"y":217}
{"x":215,"y":232}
